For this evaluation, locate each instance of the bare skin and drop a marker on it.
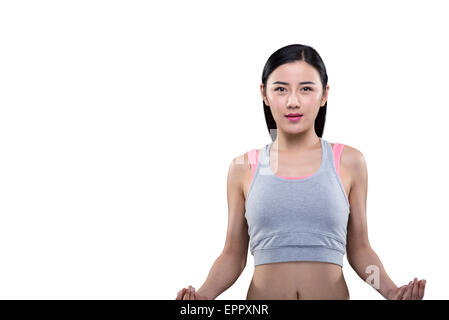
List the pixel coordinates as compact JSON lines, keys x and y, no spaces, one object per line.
{"x":298,"y":280}
{"x":296,"y":88}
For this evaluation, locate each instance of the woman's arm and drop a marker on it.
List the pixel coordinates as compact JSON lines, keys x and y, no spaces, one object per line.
{"x":361,"y":256}
{"x":232,"y":261}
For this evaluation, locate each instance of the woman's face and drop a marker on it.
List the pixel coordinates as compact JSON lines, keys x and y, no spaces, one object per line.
{"x":294,"y":88}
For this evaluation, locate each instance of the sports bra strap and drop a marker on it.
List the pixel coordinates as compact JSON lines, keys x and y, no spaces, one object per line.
{"x":338,"y":148}
{"x":253,"y":156}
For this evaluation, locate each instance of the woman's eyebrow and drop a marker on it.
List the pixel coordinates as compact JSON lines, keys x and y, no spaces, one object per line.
{"x":286,"y":83}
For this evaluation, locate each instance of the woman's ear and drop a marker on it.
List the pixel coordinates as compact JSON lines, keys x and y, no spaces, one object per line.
{"x":324,"y":97}
{"x":263,"y":95}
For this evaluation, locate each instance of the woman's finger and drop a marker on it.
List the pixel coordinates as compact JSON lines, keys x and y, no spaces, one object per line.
{"x":422,"y":287}
{"x":191,"y":291}
{"x":181,"y":295}
{"x":415,"y":289}
{"x":408,"y":291}
{"x":187,"y":294}
{"x":399,"y":293}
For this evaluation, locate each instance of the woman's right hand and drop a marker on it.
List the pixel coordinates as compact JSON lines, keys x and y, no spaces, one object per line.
{"x":189,"y":293}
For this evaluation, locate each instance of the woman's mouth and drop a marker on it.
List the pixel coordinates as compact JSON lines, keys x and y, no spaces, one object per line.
{"x":294,"y":116}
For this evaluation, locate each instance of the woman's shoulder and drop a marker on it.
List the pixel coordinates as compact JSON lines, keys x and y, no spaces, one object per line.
{"x":245,"y":160}
{"x":351,"y":158}
{"x":350,"y":153}
{"x":241,"y":165}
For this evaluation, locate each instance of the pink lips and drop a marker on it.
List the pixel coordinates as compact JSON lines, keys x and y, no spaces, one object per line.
{"x":293,"y":117}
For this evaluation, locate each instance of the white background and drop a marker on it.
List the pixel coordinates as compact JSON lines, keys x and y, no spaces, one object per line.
{"x":119,"y":120}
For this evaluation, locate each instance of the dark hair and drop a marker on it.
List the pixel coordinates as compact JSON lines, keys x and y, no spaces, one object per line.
{"x":291,"y":53}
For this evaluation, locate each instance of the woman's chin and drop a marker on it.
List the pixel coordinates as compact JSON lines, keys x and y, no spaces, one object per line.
{"x":293,"y":130}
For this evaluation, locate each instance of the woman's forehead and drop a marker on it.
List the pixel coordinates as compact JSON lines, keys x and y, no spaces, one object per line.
{"x":294,"y":73}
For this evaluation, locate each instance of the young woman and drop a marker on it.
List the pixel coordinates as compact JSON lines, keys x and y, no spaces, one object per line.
{"x":299,"y":202}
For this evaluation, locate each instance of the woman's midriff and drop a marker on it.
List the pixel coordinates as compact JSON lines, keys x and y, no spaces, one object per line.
{"x":298,"y":280}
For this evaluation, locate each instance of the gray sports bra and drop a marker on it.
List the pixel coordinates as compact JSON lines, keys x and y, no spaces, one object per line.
{"x":291,"y":219}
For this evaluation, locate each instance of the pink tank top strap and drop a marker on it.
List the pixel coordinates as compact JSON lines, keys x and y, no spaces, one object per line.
{"x":338,"y":148}
{"x":253,"y":156}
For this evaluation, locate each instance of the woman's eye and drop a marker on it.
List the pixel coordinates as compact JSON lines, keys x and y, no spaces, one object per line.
{"x":283,"y":89}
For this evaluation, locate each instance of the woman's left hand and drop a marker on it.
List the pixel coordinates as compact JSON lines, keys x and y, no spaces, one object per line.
{"x":413,"y":291}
